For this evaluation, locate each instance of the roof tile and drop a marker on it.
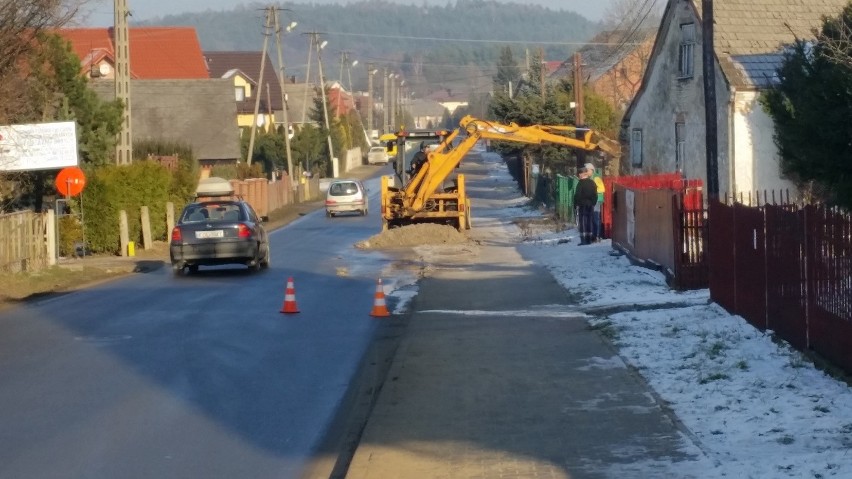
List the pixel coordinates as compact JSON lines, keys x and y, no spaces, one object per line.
{"x":762,"y":29}
{"x":156,"y":53}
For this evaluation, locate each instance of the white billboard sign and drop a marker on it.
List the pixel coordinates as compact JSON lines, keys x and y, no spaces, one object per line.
{"x":40,"y":146}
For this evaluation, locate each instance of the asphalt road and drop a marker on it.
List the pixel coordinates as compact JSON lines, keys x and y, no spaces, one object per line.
{"x":161,"y":376}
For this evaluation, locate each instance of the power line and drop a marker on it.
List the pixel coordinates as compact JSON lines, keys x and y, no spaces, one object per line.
{"x":467,"y":40}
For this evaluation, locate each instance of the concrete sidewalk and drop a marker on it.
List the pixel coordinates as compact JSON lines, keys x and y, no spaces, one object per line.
{"x":499,"y":375}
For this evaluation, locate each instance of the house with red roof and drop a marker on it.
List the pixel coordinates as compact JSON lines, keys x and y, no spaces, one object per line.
{"x":156,"y":53}
{"x":173,"y":98}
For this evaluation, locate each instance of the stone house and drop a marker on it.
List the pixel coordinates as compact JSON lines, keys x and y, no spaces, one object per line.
{"x":172,"y":95}
{"x":663,"y":129}
{"x":613,"y":65}
{"x":186,"y":111}
{"x":426,"y":113}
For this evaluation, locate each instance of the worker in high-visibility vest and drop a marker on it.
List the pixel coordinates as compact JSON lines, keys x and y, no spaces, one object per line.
{"x":597,"y":217}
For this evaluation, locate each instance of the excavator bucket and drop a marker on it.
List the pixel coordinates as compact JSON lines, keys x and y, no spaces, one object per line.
{"x":610,"y":147}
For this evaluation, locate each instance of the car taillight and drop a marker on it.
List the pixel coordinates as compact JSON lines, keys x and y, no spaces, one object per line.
{"x":330,"y":202}
{"x":244,"y":232}
{"x":176,"y":236}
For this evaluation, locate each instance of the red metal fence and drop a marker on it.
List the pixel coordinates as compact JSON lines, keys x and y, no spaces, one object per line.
{"x":661,"y":220}
{"x":691,"y":238}
{"x":669,"y":181}
{"x":787,"y":269}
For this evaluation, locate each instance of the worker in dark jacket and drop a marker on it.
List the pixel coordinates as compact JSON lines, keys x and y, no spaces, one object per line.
{"x":585,"y":198}
{"x":419,"y":159}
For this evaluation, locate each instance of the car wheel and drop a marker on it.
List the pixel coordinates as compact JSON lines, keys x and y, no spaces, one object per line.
{"x":254,"y":264}
{"x":193,"y":268}
{"x":264,"y":263}
{"x":177,"y":269}
{"x":364,"y":212}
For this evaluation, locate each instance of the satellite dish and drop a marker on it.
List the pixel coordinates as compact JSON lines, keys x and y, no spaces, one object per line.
{"x":104,"y":69}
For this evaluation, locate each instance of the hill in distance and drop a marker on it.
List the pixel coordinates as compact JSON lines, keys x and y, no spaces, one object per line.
{"x":452,"y":46}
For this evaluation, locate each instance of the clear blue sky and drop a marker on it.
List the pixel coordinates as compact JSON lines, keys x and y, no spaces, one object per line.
{"x":100,"y":12}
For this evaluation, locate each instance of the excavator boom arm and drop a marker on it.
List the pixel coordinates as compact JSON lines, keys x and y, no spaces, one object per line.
{"x":444,"y":159}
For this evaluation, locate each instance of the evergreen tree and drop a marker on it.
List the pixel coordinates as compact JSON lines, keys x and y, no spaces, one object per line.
{"x":66,"y":96}
{"x":508,"y":72}
{"x":308,"y":148}
{"x":812,"y":109}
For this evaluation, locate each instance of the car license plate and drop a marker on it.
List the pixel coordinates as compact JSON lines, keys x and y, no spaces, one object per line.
{"x":210,"y":234}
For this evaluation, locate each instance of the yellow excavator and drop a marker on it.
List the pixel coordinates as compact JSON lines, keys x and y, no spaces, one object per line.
{"x":427,"y":198}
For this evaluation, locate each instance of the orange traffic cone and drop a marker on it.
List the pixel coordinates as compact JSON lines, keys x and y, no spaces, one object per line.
{"x":380,"y":309}
{"x":290,"y":298}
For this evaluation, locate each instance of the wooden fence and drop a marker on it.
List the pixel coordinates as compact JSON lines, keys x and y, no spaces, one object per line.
{"x":265,"y":196}
{"x":788,"y":269}
{"x":23,"y":241}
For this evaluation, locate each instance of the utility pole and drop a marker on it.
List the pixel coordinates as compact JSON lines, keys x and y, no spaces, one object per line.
{"x":124,"y":146}
{"x":259,"y":87}
{"x":400,"y":102}
{"x":710,"y":114}
{"x":307,"y":81}
{"x":319,"y":47}
{"x":541,"y":73}
{"x":579,"y":114}
{"x":370,"y":72}
{"x":354,"y":105}
{"x":385,"y":105}
{"x":391,"y":92}
{"x":285,"y":106}
{"x":344,"y":59}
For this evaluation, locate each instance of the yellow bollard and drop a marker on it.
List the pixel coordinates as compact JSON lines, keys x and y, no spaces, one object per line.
{"x":131,"y":248}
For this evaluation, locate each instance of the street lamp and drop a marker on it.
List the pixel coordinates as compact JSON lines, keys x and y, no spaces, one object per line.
{"x":320,"y":46}
{"x":370,"y":72}
{"x":393,"y":93}
{"x":284,"y":106}
{"x":344,"y":62}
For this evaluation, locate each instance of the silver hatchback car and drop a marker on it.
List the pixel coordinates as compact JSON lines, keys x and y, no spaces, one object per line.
{"x":346,"y":196}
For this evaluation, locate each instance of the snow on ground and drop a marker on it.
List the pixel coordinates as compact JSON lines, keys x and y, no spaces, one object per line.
{"x":753,"y":405}
{"x":756,"y":407}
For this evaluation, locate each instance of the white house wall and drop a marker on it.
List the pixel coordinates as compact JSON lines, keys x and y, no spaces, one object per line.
{"x":666,"y":99}
{"x":756,"y":161}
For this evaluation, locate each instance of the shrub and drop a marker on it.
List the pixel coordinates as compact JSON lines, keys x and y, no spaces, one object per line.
{"x":228,"y":172}
{"x":70,"y":232}
{"x":111,"y":189}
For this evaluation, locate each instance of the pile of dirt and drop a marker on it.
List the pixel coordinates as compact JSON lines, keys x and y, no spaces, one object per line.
{"x":414,"y":235}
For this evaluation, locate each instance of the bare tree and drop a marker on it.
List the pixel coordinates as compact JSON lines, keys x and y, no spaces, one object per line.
{"x":835,"y":38}
{"x":633,"y":15}
{"x":20,"y":24}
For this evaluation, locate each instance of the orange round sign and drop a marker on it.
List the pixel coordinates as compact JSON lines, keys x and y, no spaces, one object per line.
{"x":70,"y":181}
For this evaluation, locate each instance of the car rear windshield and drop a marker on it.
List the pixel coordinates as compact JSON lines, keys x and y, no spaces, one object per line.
{"x":343,"y":188}
{"x":213,"y":212}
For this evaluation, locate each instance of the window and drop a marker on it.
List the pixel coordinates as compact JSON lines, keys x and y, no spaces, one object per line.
{"x":636,"y":148}
{"x":240,"y":93}
{"x":680,"y":146}
{"x":687,"y":50}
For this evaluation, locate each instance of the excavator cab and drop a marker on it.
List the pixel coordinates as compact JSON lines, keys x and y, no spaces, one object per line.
{"x":406,"y":148}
